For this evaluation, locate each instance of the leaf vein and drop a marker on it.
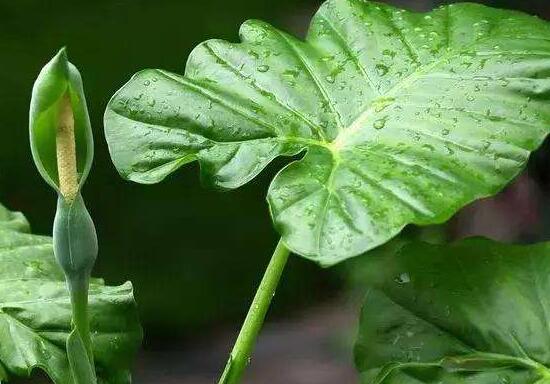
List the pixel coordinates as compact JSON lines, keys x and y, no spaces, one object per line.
{"x":354,"y":58}
{"x":313,"y":76}
{"x":202,"y":90}
{"x":255,"y":85}
{"x":412,"y":204}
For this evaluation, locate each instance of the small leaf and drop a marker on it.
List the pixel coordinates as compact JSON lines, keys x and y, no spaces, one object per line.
{"x":35,"y":312}
{"x":471,"y":312}
{"x":59,"y":83}
{"x":404,"y":117}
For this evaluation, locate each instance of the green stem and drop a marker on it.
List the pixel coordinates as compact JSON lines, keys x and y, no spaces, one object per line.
{"x":78,"y":289}
{"x":240,"y":355}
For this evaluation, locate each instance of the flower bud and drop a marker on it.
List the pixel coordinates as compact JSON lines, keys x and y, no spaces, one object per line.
{"x":62,"y":148}
{"x":60,"y":132}
{"x":74,"y":238}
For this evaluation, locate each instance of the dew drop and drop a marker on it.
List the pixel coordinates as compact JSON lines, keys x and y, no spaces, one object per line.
{"x":381,"y":69}
{"x":389,"y":52}
{"x":379,"y":123}
{"x":504,"y":82}
{"x":263,"y":68}
{"x":505,"y":380}
{"x":403,"y":278}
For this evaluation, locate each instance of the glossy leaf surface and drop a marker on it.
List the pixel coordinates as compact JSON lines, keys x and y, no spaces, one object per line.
{"x":471,"y":312}
{"x":35,"y":312}
{"x":404,"y":117}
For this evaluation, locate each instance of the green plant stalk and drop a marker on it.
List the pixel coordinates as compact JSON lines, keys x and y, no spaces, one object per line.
{"x":78,"y":289}
{"x":62,"y":149}
{"x":75,"y":249}
{"x":75,"y":244}
{"x":241,"y":353}
{"x":77,"y":282}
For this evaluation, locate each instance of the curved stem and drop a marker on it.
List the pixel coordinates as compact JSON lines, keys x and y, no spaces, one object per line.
{"x":240,"y":355}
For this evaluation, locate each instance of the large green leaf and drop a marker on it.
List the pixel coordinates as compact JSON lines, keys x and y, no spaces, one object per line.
{"x":405,"y":117}
{"x":35,"y":312}
{"x":472,"y":312}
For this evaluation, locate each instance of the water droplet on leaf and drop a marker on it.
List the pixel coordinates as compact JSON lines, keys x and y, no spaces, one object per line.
{"x":381,"y":69}
{"x":403,"y":278}
{"x":380,"y":123}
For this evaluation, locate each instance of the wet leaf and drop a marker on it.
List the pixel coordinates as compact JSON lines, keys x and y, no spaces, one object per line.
{"x":403,"y":117}
{"x":35,"y":312}
{"x":471,"y":312}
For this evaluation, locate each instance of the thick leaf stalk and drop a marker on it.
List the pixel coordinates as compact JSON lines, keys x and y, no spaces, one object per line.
{"x":242,"y":351}
{"x":62,"y":147}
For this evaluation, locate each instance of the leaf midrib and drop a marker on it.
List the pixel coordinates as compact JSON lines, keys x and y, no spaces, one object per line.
{"x":336,"y":145}
{"x":357,"y":123}
{"x":528,"y":363}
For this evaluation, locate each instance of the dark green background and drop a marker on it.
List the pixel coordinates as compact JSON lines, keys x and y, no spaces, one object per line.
{"x":194,"y":255}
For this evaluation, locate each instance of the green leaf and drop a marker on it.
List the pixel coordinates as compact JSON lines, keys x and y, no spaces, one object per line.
{"x":35,"y":311}
{"x":404,"y":117}
{"x":57,"y":79}
{"x":471,"y":312}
